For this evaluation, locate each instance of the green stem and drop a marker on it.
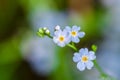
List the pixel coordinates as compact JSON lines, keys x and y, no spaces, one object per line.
{"x":103,"y":74}
{"x":50,"y":36}
{"x":72,"y":46}
{"x":94,"y":48}
{"x":98,"y":67}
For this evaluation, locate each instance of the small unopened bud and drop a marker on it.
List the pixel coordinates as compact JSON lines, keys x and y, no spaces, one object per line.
{"x":45,"y":28}
{"x":41,"y":30}
{"x":47,"y":31}
{"x":57,"y":28}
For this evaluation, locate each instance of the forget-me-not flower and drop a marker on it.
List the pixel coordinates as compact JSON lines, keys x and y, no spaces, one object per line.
{"x":75,"y":33}
{"x":61,"y":37}
{"x":84,"y":59}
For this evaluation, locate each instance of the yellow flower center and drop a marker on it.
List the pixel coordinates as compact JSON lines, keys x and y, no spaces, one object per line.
{"x":84,"y":59}
{"x":61,"y":38}
{"x":73,"y":33}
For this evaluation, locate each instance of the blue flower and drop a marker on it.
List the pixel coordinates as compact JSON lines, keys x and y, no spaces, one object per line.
{"x":61,"y":37}
{"x":75,"y":33}
{"x":84,"y":59}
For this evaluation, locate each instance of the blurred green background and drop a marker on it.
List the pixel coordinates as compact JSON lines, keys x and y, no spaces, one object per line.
{"x":19,"y":45}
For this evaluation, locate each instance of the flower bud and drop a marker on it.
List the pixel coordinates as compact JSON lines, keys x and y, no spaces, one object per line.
{"x":45,"y":28}
{"x":47,"y":31}
{"x":41,"y":31}
{"x":57,"y":28}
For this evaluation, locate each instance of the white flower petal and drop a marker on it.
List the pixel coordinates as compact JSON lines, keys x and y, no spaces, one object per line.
{"x":75,"y":39}
{"x":67,"y":28}
{"x":67,"y":40}
{"x":76,"y":57}
{"x":61,"y":44}
{"x":89,"y":65}
{"x":76,"y":28}
{"x":92,"y":55}
{"x":65,"y":33}
{"x":55,"y":39}
{"x":86,"y":50}
{"x":81,"y":66}
{"x":57,"y":33}
{"x":83,"y":51}
{"x":81,"y":34}
{"x":76,"y":54}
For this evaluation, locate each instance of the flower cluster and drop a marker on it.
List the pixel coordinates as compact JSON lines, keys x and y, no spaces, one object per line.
{"x":43,"y":31}
{"x":64,"y":37}
{"x":70,"y":35}
{"x":67,"y":35}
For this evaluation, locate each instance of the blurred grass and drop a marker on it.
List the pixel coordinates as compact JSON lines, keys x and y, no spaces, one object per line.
{"x":9,"y":51}
{"x":10,"y":56}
